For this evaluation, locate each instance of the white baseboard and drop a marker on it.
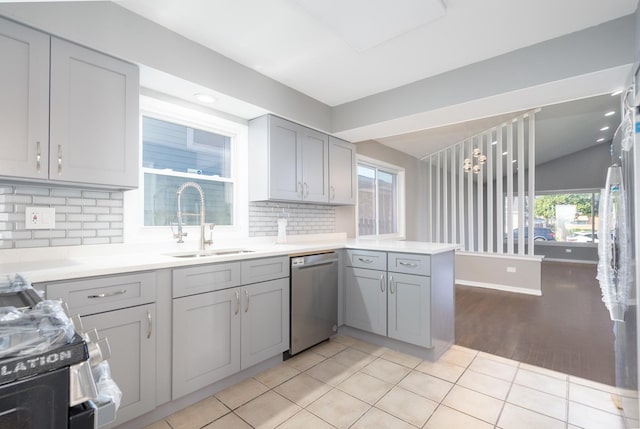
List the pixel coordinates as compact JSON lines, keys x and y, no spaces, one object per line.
{"x":571,"y":261}
{"x":499,"y":287}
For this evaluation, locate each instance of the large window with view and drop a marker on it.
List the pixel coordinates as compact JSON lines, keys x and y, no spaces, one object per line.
{"x":380,"y":199}
{"x":175,"y":152}
{"x":568,"y":217}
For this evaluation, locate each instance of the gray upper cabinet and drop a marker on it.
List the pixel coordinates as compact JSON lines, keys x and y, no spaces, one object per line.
{"x":293,"y":159}
{"x":24,"y":108}
{"x":67,"y":114}
{"x":94,"y":117}
{"x":342,"y":172}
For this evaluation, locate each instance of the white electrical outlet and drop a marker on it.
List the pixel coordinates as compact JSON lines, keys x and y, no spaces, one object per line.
{"x":568,"y":250}
{"x":511,"y":269}
{"x":39,"y":217}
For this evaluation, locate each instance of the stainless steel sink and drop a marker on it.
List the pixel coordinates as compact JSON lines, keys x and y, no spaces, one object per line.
{"x":207,"y":253}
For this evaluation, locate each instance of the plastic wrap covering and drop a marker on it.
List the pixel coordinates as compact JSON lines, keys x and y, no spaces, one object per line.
{"x":614,"y":252}
{"x":108,"y":390}
{"x":15,"y":283}
{"x":33,"y":330}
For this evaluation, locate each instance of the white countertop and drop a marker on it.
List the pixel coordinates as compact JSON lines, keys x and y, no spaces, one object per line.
{"x":61,"y":263}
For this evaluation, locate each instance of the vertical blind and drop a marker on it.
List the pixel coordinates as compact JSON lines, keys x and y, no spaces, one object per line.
{"x":478,"y":190}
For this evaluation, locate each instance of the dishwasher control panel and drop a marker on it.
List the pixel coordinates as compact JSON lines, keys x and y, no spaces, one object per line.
{"x":296,"y":262}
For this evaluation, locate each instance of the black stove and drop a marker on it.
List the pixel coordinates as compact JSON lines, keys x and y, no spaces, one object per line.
{"x":45,"y":365}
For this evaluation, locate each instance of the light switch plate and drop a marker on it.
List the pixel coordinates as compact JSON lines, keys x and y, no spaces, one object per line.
{"x":36,"y":217}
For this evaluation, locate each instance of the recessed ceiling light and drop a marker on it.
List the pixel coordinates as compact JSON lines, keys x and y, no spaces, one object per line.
{"x":613,"y":112}
{"x":514,"y":160}
{"x":504,"y":153}
{"x":204,"y":98}
{"x":604,"y":128}
{"x":494,"y":142}
{"x":601,"y":139}
{"x":618,"y":92}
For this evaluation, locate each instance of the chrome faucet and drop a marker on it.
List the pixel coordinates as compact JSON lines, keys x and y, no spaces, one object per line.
{"x":179,"y":235}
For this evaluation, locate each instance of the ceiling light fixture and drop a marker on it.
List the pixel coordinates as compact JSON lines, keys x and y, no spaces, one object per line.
{"x":469,"y":166}
{"x":495,"y":142}
{"x":613,"y":112}
{"x":204,"y":98}
{"x":601,"y":139}
{"x":604,"y":128}
{"x":618,"y":92}
{"x":504,"y":153}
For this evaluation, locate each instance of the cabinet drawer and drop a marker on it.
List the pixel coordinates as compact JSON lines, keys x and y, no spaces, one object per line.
{"x":99,"y":294}
{"x":410,"y":263}
{"x":261,"y":270}
{"x":205,"y":278}
{"x":366,"y":259}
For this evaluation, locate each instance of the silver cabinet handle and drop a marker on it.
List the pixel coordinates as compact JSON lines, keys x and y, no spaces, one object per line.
{"x":391,"y":284}
{"x":301,"y":190}
{"x":408,"y":264}
{"x":59,"y":159}
{"x":149,"y":324}
{"x":366,"y":261}
{"x":108,"y":294}
{"x":246,"y":294}
{"x":237,"y":302}
{"x":382,"y":283}
{"x":333,"y":193}
{"x":38,"y":156}
{"x":306,"y":190}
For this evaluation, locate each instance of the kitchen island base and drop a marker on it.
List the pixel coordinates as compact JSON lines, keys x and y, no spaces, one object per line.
{"x":431,"y":354}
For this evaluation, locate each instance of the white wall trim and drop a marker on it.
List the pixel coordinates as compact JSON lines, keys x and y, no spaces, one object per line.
{"x":495,"y":286}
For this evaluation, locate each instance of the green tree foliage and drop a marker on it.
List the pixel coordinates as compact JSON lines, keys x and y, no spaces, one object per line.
{"x":546,"y":204}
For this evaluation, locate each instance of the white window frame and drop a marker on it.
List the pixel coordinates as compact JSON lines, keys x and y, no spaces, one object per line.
{"x":134,"y":228}
{"x":400,"y":174}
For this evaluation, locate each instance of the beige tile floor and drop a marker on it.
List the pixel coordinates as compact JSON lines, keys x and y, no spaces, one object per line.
{"x":348,"y":383}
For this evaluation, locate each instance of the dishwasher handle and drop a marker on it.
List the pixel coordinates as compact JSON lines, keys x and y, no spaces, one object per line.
{"x":315,"y":264}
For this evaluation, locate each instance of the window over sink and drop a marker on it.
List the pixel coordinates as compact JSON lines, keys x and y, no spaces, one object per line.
{"x":182,"y":144}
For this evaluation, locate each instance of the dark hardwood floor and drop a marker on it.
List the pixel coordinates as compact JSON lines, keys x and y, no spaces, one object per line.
{"x":567,"y":329}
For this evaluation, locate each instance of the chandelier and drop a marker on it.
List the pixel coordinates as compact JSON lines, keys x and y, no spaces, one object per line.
{"x":475,"y":164}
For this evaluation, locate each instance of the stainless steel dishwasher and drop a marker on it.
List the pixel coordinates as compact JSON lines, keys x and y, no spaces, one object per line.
{"x":314,"y":299}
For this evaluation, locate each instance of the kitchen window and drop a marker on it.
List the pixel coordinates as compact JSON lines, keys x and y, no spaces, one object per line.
{"x":180,"y":144}
{"x":380,"y":199}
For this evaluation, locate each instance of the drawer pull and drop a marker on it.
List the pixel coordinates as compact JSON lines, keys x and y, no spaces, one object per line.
{"x":365,"y":260}
{"x":149,"y":324}
{"x":391,"y":283}
{"x":408,"y":264}
{"x":108,"y":294}
{"x":382,"y":283}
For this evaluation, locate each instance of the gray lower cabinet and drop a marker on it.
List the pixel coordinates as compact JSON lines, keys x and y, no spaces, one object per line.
{"x":389,"y":302}
{"x":206,"y":339}
{"x":123,"y":309}
{"x":265,"y":321}
{"x":409,"y":317}
{"x":366,"y":299}
{"x":218,"y":333}
{"x":133,"y":355}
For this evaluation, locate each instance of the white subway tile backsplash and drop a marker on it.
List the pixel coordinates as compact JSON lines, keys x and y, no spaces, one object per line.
{"x":82,"y":216}
{"x":302,"y":219}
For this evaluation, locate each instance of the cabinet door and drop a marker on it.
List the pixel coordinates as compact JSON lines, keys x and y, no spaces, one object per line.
{"x":24,"y":101}
{"x":366,"y":300}
{"x":315,"y":166}
{"x":133,"y":356}
{"x":206,"y":339}
{"x":285,"y":160}
{"x":342,"y":172}
{"x":410,"y":309}
{"x":265,"y":321}
{"x":94,"y":117}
